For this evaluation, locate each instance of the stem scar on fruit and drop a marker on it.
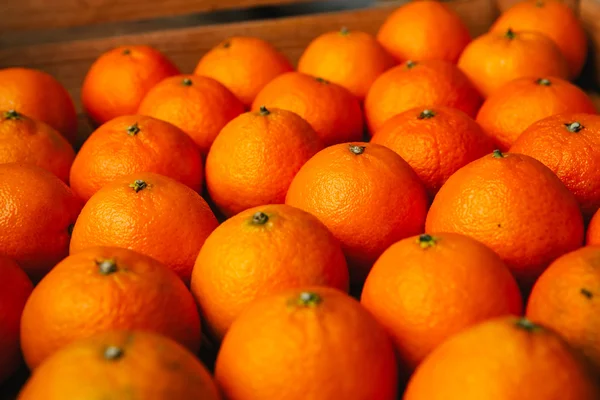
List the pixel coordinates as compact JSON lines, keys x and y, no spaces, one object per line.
{"x":126,"y":52}
{"x":525,"y":324}
{"x":186,"y":82}
{"x":574,"y":127}
{"x":107,"y":266}
{"x":356,"y":149}
{"x":498,"y":154}
{"x":344,"y":31}
{"x":113,"y":353}
{"x":133,"y":129}
{"x":426,"y":114}
{"x":411,"y":64}
{"x":510,"y":34}
{"x":308,"y":299}
{"x":226,"y":44}
{"x":586,"y":293}
{"x":426,"y":241}
{"x":12,"y":114}
{"x":260,"y":218}
{"x":543,"y":82}
{"x":264,"y":111}
{"x":321,"y":80}
{"x":138,"y":185}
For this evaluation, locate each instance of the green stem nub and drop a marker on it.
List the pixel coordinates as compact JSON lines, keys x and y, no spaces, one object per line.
{"x":113,"y":353}
{"x":344,"y":31}
{"x":498,"y":154}
{"x":411,"y":64}
{"x":138,"y":185}
{"x":426,"y":241}
{"x":133,"y":129}
{"x":12,"y":114}
{"x":574,"y":127}
{"x":226,"y":44}
{"x":587,"y":293}
{"x":510,"y":34}
{"x":186,"y":82}
{"x":543,"y":82}
{"x":263,"y":111}
{"x":323,"y":81}
{"x":126,"y":52}
{"x":107,"y":267}
{"x":527,"y":325}
{"x":356,"y":149}
{"x":309,"y":299}
{"x":260,"y":218}
{"x":426,"y":114}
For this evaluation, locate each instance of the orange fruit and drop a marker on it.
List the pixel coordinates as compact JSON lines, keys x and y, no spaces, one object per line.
{"x":436,"y":142}
{"x":200,"y":106}
{"x":102,"y":289}
{"x":464,"y":283}
{"x":367,"y":196}
{"x":244,"y":65}
{"x":333,"y":112}
{"x":37,"y":217}
{"x":15,"y":288}
{"x":568,"y":144}
{"x":352,"y":59}
{"x":593,"y":230}
{"x":516,"y":206}
{"x":259,"y":252}
{"x":496,"y":58}
{"x":40,"y":96}
{"x":148,"y":213}
{"x":505,"y":358}
{"x":255,"y":157}
{"x":26,"y":140}
{"x":314,"y":342}
{"x":513,"y":107}
{"x":424,"y":30}
{"x":119,"y":364}
{"x":419,"y":84}
{"x":119,"y":79}
{"x":135,"y":143}
{"x":564,"y":298}
{"x":556,"y":20}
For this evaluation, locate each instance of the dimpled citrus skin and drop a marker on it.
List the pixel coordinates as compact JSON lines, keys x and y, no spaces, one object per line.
{"x":424,"y":30}
{"x":518,"y":104}
{"x":244,"y":65}
{"x":39,"y":96}
{"x":368,"y":200}
{"x":333,"y":112}
{"x":424,"y":289}
{"x":574,"y":156}
{"x":565,"y":298}
{"x":255,"y":157}
{"x":148,"y":366}
{"x":553,"y":18}
{"x":119,"y":79}
{"x":436,"y":141}
{"x":135,"y":143}
{"x":352,"y":59}
{"x":77,"y":299}
{"x":23,"y":139}
{"x":415,"y":84}
{"x":198,"y":105}
{"x":516,"y":206}
{"x":326,"y":347}
{"x":15,"y":288}
{"x":36,"y":217}
{"x":243,"y":260}
{"x":503,"y":358}
{"x":145,"y":221}
{"x":496,"y":58}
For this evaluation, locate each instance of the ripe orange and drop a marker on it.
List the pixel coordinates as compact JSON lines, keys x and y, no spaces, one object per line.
{"x":135,"y":143}
{"x":419,"y":84}
{"x":26,"y":140}
{"x":568,"y":144}
{"x":424,"y":30}
{"x":504,"y":358}
{"x":200,"y":106}
{"x":149,"y":213}
{"x":553,"y":18}
{"x":15,"y":288}
{"x":121,"y":364}
{"x":366,"y":195}
{"x":352,"y":59}
{"x":435,"y":141}
{"x":516,"y":206}
{"x":565,"y":299}
{"x":119,"y":79}
{"x":244,"y":65}
{"x":39,"y":96}
{"x":513,"y":107}
{"x":333,"y":112}
{"x":426,"y":288}
{"x":102,"y":289}
{"x":259,"y":252}
{"x":37,"y":217}
{"x":316,"y":343}
{"x":496,"y":58}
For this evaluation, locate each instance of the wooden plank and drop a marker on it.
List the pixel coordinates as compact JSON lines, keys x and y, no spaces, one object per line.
{"x":42,"y":14}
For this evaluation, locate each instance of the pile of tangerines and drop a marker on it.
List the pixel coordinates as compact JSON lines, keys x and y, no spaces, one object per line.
{"x":407,"y":215}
